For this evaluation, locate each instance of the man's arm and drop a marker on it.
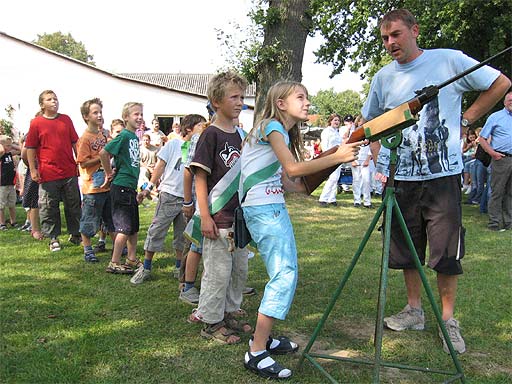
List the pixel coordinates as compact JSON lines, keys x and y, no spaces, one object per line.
{"x":487,"y":99}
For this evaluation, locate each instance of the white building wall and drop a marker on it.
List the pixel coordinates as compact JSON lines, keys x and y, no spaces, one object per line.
{"x":25,"y":71}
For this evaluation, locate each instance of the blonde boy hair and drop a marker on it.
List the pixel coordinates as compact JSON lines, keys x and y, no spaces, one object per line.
{"x":4,"y":139}
{"x":218,"y":84}
{"x":127,"y":107}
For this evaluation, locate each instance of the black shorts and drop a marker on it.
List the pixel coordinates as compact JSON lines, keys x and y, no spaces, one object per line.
{"x":432,"y":211}
{"x":30,"y":192}
{"x":125,"y":210}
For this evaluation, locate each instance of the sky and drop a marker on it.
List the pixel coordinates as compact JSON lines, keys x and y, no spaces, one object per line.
{"x":153,"y":35}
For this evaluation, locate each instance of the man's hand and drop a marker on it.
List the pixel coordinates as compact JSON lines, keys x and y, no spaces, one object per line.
{"x":34,"y":174}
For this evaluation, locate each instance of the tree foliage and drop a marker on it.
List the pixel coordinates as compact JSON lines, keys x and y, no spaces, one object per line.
{"x":326,"y":102}
{"x":66,"y":45}
{"x":479,"y":28}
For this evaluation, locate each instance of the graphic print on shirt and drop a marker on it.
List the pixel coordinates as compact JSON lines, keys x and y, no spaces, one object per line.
{"x":134,"y":152}
{"x":229,"y":155}
{"x":424,"y":150}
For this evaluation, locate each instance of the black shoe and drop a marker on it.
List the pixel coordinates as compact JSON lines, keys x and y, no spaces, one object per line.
{"x":100,"y":247}
{"x":335,"y":204}
{"x":75,"y":239}
{"x":323,"y":204}
{"x":357,"y":205}
{"x":369,"y":206}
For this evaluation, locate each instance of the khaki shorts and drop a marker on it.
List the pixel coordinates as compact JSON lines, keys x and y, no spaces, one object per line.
{"x":432,"y":211}
{"x":7,"y":196}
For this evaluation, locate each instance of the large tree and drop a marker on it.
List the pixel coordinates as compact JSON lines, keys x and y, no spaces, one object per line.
{"x":479,"y":28}
{"x":66,"y":45}
{"x":286,"y":25}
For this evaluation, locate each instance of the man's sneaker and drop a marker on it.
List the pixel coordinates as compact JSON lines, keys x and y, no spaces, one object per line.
{"x":408,"y":318}
{"x":190,"y":297}
{"x":25,"y":227}
{"x":54,"y":245}
{"x":453,"y":329}
{"x":75,"y":239}
{"x":176,"y":272}
{"x":100,"y":247}
{"x":141,"y":275}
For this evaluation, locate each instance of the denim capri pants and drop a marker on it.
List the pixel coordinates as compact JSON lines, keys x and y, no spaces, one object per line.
{"x":271,"y":229}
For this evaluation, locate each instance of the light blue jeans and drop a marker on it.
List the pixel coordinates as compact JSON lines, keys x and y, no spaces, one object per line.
{"x":271,"y":229}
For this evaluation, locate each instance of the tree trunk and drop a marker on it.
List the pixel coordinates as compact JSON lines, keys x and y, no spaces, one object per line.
{"x":290,"y":30}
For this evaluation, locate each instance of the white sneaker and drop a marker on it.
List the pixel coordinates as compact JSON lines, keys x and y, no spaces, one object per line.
{"x":190,"y":297}
{"x":140,"y":275}
{"x":176,"y":273}
{"x":453,"y":329}
{"x":407,"y":318}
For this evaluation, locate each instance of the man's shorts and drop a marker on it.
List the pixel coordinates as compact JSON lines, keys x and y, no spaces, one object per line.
{"x":7,"y":196}
{"x":125,"y":210}
{"x":432,"y":210}
{"x":96,"y":207}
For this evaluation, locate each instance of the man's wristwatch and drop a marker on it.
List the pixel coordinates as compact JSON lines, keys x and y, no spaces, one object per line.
{"x":464,"y":122}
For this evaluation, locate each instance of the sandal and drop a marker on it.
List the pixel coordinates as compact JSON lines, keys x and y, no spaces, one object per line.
{"x":284,"y":347}
{"x":37,"y":235}
{"x":133,"y":264}
{"x":237,"y":325}
{"x":274,"y":371}
{"x":120,"y":269}
{"x":195,"y":317}
{"x":219,"y":332}
{"x":239,"y":313}
{"x":91,"y":257}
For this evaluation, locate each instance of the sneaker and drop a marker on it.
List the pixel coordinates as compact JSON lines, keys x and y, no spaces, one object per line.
{"x":25,"y":227}
{"x":334,"y":204}
{"x":3,"y":227}
{"x":453,"y":329}
{"x":190,"y":297}
{"x":75,"y":239}
{"x":249,"y":291}
{"x":141,"y":275}
{"x":14,"y":225}
{"x":55,"y":245}
{"x":408,"y":318}
{"x":357,"y":205}
{"x":100,"y":247}
{"x":176,"y":273}
{"x":495,"y":228}
{"x":323,"y":204}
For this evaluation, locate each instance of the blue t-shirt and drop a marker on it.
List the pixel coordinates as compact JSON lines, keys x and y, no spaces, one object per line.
{"x":431,"y":148}
{"x":499,"y":126}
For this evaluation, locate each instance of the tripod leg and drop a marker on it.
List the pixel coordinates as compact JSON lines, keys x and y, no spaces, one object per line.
{"x":343,"y":281}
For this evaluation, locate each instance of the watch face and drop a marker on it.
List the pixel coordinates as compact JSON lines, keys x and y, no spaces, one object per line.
{"x":464,"y":122}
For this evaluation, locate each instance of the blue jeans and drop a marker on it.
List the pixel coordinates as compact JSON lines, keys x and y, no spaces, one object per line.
{"x":478,"y":178}
{"x":271,"y":229}
{"x":486,"y":194}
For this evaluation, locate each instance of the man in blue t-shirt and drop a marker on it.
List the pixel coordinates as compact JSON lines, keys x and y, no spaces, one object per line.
{"x":429,"y":164}
{"x":499,"y":127}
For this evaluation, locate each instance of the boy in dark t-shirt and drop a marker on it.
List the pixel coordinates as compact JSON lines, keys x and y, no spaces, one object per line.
{"x":216,"y":170}
{"x":7,"y":178}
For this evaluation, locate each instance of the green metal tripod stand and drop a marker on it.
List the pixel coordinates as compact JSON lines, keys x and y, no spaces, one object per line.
{"x":390,"y":205}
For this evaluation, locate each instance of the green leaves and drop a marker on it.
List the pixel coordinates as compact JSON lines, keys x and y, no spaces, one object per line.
{"x":66,"y":45}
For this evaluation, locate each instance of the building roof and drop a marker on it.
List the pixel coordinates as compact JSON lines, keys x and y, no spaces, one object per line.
{"x":192,"y":84}
{"x":188,"y":82}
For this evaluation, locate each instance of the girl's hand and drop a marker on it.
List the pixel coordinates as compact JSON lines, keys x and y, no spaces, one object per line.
{"x":347,"y":153}
{"x":209,"y":228}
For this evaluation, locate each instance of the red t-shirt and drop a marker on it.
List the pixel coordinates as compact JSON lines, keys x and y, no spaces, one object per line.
{"x":52,"y":139}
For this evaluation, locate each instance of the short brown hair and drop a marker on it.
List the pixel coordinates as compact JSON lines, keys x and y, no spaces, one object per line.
{"x":189,"y":122}
{"x":398,"y":14}
{"x":86,"y":106}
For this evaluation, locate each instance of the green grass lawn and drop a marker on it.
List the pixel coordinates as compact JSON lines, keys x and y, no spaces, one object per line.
{"x":66,"y":321}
